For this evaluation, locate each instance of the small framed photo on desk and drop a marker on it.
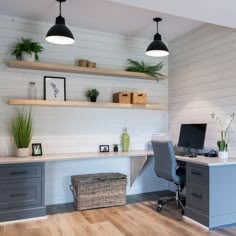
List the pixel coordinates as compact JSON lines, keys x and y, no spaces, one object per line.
{"x":37,"y":149}
{"x":104,"y":148}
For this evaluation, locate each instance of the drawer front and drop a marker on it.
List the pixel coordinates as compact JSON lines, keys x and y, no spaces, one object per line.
{"x":197,"y":196}
{"x":21,"y":194}
{"x":19,"y":171}
{"x":197,"y":173}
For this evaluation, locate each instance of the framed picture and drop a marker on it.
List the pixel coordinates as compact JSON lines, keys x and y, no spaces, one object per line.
{"x":54,"y":88}
{"x":37,"y":149}
{"x":104,"y":148}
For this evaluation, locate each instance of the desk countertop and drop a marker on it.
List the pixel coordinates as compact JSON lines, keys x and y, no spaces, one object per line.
{"x":208,"y":161}
{"x":201,"y":160}
{"x":73,"y":156}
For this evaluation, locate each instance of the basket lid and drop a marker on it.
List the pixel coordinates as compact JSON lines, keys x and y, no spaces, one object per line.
{"x":97,"y":177}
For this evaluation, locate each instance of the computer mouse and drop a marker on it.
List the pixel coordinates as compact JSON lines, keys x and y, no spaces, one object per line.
{"x":192,"y":155}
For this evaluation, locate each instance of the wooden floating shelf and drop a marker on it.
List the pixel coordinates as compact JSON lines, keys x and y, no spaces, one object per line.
{"x":86,"y":104}
{"x":80,"y":70}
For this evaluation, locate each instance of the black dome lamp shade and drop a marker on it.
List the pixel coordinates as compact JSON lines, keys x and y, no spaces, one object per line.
{"x":157,"y":48}
{"x":59,"y":33}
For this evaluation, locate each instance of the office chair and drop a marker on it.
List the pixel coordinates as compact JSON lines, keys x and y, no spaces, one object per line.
{"x":166,"y":168}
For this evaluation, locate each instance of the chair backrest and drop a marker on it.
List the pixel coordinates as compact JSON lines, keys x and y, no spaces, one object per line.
{"x":165,"y":161}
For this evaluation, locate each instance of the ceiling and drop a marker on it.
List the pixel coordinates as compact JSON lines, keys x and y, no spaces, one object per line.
{"x":103,"y":15}
{"x":219,"y":12}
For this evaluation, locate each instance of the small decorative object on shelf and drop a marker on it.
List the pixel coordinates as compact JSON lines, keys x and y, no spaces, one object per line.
{"x":223,"y":122}
{"x":37,"y":149}
{"x":136,"y":66}
{"x":54,"y":88}
{"x":92,"y":64}
{"x":122,"y":97}
{"x":104,"y":148}
{"x":92,"y":94}
{"x":83,"y":63}
{"x":138,"y":98}
{"x":115,"y":148}
{"x":27,"y":50}
{"x":125,"y":140}
{"x":32,"y":91}
{"x":21,"y":129}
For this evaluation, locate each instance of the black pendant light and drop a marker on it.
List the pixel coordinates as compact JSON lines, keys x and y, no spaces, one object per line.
{"x":59,"y":33}
{"x":157,"y":48}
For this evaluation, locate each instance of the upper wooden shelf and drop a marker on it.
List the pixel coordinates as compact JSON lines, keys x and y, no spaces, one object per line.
{"x":78,"y":69}
{"x":86,"y":104}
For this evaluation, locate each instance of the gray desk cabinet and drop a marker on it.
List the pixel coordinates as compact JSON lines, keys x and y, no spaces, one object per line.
{"x":22,"y":191}
{"x":210,"y":194}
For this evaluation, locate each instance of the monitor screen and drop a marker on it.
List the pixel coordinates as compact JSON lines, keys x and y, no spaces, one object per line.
{"x":192,"y":135}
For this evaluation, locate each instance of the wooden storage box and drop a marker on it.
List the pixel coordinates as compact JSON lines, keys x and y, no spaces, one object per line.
{"x":139,"y":98}
{"x":98,"y":190}
{"x":122,"y":97}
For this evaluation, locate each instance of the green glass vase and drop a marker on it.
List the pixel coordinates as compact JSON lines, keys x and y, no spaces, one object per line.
{"x":125,"y":140}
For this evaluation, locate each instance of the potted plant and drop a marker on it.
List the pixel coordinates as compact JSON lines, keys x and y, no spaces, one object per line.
{"x":92,"y":94}
{"x":136,"y":66}
{"x":21,"y":129}
{"x":223,"y":123}
{"x":27,"y":50}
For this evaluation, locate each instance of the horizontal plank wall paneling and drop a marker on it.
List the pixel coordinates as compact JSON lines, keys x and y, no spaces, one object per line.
{"x":202,"y":81}
{"x":75,"y":129}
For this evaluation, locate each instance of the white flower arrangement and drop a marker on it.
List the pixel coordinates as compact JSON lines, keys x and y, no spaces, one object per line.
{"x":223,"y":122}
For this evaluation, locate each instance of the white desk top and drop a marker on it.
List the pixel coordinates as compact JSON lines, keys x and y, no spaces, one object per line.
{"x":208,"y":161}
{"x":72,"y":156}
{"x":201,"y":160}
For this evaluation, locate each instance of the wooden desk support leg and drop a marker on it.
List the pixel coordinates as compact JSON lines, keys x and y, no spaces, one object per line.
{"x":136,"y":165}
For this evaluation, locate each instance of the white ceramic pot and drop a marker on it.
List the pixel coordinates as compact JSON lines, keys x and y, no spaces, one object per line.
{"x":27,"y":57}
{"x":223,"y":155}
{"x":22,"y":152}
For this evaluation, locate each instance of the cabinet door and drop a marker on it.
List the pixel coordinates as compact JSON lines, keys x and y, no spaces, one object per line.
{"x":21,"y":194}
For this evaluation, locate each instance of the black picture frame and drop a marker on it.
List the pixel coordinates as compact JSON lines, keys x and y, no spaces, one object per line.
{"x":37,"y":149}
{"x":54,"y":88}
{"x":104,"y":148}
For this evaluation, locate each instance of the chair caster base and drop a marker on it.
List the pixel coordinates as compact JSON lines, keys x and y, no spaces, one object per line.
{"x":159,"y":209}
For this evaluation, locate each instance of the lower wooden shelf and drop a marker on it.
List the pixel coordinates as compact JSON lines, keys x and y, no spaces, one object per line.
{"x":86,"y":104}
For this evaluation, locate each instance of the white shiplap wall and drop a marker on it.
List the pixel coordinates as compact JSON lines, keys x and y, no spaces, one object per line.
{"x":202,"y":80}
{"x":63,"y":130}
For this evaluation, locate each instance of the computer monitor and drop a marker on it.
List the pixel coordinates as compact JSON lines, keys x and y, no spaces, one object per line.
{"x":192,"y":136}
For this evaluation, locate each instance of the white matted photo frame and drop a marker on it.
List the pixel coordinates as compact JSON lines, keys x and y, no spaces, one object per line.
{"x":54,"y":88}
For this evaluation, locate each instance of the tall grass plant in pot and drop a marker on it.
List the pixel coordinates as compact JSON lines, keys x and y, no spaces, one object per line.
{"x":223,"y":122}
{"x":21,"y":129}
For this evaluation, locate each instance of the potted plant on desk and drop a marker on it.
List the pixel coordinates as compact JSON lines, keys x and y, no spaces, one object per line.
{"x":223,"y":122}
{"x":21,"y":129}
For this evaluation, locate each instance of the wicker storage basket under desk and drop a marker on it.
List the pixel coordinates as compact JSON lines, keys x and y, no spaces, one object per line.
{"x":98,"y":190}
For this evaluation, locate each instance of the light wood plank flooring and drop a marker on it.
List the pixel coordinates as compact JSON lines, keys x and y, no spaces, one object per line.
{"x":136,"y":219}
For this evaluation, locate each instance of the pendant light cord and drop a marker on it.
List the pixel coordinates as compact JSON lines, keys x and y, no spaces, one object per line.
{"x":60,"y":8}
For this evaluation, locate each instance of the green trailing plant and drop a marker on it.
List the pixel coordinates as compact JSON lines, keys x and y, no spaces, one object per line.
{"x":136,"y":66}
{"x":92,"y":93}
{"x":21,"y":128}
{"x":28,"y":46}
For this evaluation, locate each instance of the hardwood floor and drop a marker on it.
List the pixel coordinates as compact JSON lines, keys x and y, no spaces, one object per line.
{"x":135,"y":219}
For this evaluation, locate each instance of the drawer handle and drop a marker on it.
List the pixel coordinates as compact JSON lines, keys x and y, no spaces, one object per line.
{"x":18,"y":195}
{"x":196,"y":195}
{"x":19,"y":173}
{"x":196,"y":173}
